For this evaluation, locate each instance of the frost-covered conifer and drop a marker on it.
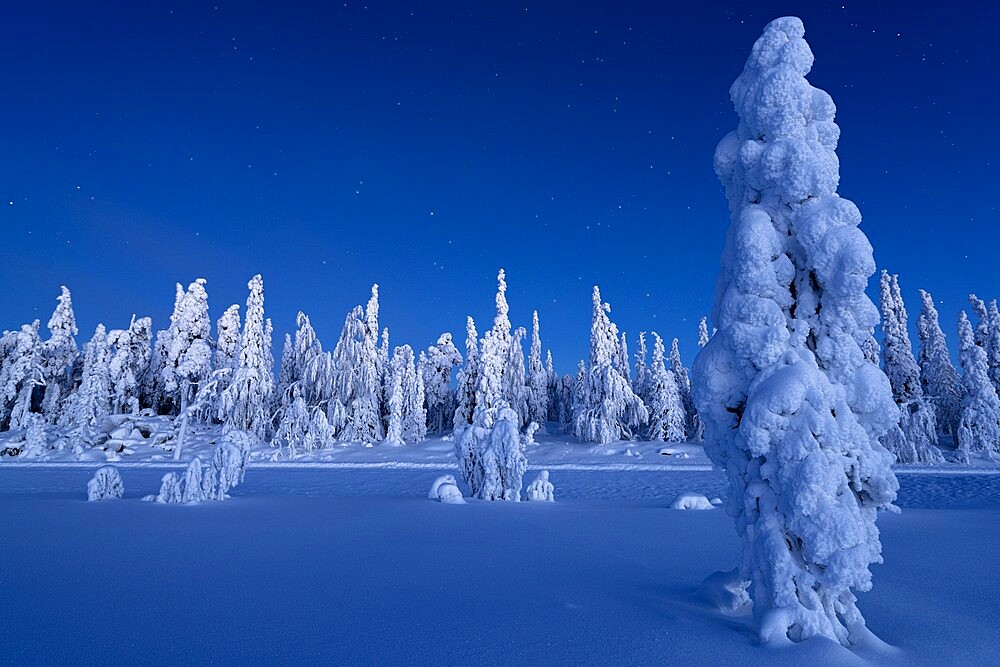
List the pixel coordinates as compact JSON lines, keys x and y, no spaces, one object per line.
{"x":490,"y":454}
{"x":515,"y":389}
{"x":702,"y":332}
{"x":227,"y":342}
{"x":468,"y":377}
{"x":982,"y":329}
{"x":153,"y":394}
{"x":293,"y":427}
{"x":171,"y":490}
{"x":979,"y":424}
{"x":22,"y":373}
{"x":188,"y":353}
{"x":938,"y":377}
{"x":792,"y":410}
{"x":105,"y":484}
{"x":286,"y":368}
{"x":642,"y":375}
{"x":915,"y":438}
{"x":357,"y":377}
{"x":441,"y":358}
{"x":394,"y":430}
{"x":59,"y":351}
{"x":541,"y":489}
{"x":245,"y":401}
{"x":538,"y":378}
{"x":605,"y":407}
{"x":414,"y":412}
{"x":93,"y":397}
{"x":683,"y":381}
{"x":666,"y":408}
{"x":553,"y":388}
{"x":565,"y":391}
{"x":502,"y":458}
{"x":192,"y":490}
{"x":129,"y":364}
{"x":993,"y":343}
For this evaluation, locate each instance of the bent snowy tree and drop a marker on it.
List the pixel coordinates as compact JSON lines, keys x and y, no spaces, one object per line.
{"x":792,"y":408}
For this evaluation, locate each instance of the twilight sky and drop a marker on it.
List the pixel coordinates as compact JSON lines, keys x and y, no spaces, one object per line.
{"x":423,"y":145}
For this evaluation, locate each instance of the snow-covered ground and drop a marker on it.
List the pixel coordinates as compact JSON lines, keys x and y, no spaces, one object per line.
{"x":340,"y":565}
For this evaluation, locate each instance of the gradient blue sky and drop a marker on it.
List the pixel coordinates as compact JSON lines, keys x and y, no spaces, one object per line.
{"x":424,"y":145}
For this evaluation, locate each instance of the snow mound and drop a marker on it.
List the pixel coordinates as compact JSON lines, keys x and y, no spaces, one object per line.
{"x":106,"y":483}
{"x":450,"y":495}
{"x":727,"y":591}
{"x":433,"y":494}
{"x":691,"y":501}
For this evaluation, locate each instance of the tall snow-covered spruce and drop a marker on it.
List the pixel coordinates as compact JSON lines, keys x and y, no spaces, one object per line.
{"x":792,"y":409}
{"x":937,"y":374}
{"x":605,"y":408}
{"x":914,"y":438}
{"x":245,"y":401}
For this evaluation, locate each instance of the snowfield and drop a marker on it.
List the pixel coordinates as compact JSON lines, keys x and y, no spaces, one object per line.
{"x":341,"y":565}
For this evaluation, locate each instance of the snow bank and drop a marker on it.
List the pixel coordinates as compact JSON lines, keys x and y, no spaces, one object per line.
{"x":691,"y":501}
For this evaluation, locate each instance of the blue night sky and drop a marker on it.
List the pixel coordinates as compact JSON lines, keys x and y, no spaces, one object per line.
{"x":424,"y":145}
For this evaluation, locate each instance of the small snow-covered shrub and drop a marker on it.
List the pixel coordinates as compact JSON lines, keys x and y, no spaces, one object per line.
{"x":228,"y":469}
{"x":106,"y":483}
{"x":435,"y":487}
{"x":193,"y":492}
{"x":541,"y":489}
{"x":691,"y":501}
{"x":170,"y":489}
{"x":35,"y":438}
{"x":450,"y":494}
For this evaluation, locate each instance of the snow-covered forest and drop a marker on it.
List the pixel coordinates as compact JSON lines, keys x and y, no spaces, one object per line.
{"x":63,"y":395}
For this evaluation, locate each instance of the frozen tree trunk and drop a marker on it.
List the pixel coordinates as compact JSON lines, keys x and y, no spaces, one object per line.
{"x":792,"y":409}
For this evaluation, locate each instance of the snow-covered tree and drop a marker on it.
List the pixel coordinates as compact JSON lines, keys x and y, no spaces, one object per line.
{"x":683,"y":380}
{"x":227,"y":340}
{"x":490,"y":454}
{"x":468,"y":377}
{"x":153,"y":391}
{"x":22,"y":375}
{"x":105,"y":484}
{"x":938,"y":376}
{"x":541,"y":488}
{"x":666,"y":408}
{"x":914,"y":439}
{"x":293,"y":427}
{"x":192,"y":483}
{"x":792,"y":410}
{"x":979,"y":424}
{"x":286,"y":368}
{"x":188,"y":353}
{"x":642,"y":373}
{"x":414,"y":398}
{"x":515,"y":389}
{"x":245,"y":401}
{"x":993,"y":343}
{"x":605,"y":407}
{"x":129,"y":364}
{"x":93,"y":397}
{"x":357,"y":376}
{"x":394,"y":430}
{"x":538,"y":378}
{"x":553,"y":388}
{"x":59,"y":352}
{"x":702,"y":332}
{"x":494,"y":354}
{"x":441,"y":358}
